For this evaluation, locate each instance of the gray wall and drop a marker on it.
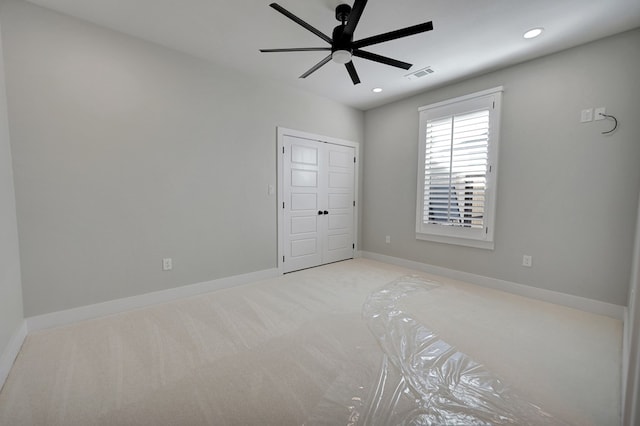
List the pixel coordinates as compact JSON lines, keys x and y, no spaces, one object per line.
{"x":11,"y":316}
{"x":126,"y":152}
{"x":567,"y":195}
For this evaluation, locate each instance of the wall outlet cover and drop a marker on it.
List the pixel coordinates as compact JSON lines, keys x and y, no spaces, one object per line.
{"x":167,"y":264}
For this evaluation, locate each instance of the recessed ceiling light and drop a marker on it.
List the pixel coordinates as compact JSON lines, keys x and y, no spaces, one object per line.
{"x":377,"y":90}
{"x":533,"y":33}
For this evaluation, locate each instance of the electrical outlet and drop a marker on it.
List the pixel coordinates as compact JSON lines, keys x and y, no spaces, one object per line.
{"x":167,"y":264}
{"x":387,"y":239}
{"x":527,"y":261}
{"x":599,"y":113}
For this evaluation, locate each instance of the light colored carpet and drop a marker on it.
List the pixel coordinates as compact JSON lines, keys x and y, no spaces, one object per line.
{"x":297,"y":350}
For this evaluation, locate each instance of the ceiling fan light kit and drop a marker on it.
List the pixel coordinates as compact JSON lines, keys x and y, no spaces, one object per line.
{"x":342,"y":46}
{"x":341,"y":56}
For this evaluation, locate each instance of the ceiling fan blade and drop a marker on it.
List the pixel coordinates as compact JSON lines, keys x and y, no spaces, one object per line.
{"x":392,"y":35}
{"x":382,"y":59}
{"x":352,"y":72}
{"x":299,"y":21}
{"x":354,"y":17}
{"x":296,"y":49}
{"x":315,"y":67}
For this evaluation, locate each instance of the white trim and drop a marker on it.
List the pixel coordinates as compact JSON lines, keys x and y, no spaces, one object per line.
{"x":576,"y":302}
{"x":445,"y":239}
{"x":631,"y":351}
{"x":632,"y":406}
{"x":111,"y":307}
{"x":11,"y":352}
{"x":626,"y":352}
{"x":483,"y":238}
{"x":281,"y":133}
{"x":463,"y":98}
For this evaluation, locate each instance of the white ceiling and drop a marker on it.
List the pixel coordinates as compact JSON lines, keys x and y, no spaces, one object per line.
{"x":470,"y":37}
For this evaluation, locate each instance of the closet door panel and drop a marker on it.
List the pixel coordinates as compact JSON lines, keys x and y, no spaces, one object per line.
{"x":340,"y":196}
{"x":318,"y":203}
{"x":302,"y":188}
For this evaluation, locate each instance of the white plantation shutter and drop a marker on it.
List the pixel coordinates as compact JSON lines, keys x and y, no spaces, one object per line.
{"x":456,"y":164}
{"x":457,"y":169}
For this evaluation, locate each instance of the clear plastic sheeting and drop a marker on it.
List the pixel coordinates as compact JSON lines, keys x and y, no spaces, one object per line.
{"x":300,"y":349}
{"x":423,"y":380}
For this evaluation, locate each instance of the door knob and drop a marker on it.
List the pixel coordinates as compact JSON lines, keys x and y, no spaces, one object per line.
{"x":320,"y":212}
{"x":326,"y":212}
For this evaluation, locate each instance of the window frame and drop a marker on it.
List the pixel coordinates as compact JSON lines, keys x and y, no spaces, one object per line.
{"x":460,"y":235}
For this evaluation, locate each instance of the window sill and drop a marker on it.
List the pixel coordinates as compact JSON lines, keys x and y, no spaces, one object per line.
{"x":487,"y":245}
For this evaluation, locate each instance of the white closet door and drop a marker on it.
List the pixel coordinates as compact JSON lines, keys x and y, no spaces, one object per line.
{"x":338,"y":244}
{"x":318,"y":198}
{"x":302,"y":189}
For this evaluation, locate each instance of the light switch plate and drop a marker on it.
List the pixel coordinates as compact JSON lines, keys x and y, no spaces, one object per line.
{"x":586,"y":115}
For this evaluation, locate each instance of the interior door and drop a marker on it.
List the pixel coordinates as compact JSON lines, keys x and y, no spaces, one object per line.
{"x":302,"y":193}
{"x":339,"y":204}
{"x":318,"y":202}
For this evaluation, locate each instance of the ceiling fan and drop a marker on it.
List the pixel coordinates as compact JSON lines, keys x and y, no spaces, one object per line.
{"x":343,"y":48}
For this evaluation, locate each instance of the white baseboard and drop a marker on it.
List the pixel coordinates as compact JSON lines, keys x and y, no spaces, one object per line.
{"x":576,"y":302}
{"x":11,"y":352}
{"x":111,"y":307}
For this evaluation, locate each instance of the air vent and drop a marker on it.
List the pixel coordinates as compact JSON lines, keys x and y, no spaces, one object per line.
{"x":420,"y":73}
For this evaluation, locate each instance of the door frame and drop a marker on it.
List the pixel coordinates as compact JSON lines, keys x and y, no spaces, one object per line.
{"x":281,"y":133}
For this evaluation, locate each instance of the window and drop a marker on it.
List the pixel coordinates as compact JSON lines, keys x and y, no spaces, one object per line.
{"x":457,"y":169}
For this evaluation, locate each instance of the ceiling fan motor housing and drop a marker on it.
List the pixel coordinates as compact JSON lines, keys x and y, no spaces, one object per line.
{"x":341,"y":50}
{"x":341,"y":41}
